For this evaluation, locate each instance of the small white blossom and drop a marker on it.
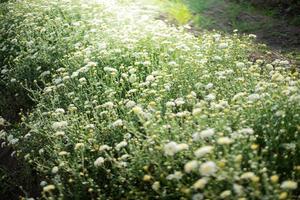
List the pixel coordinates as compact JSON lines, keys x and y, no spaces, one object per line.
{"x":99,"y":162}
{"x":247,"y":175}
{"x":177,"y":176}
{"x":59,"y":125}
{"x":203,"y":151}
{"x":208,"y":168}
{"x":191,"y":166}
{"x":48,"y":188}
{"x":200,"y":184}
{"x":223,"y":45}
{"x":104,"y":147}
{"x":289,"y":185}
{"x":225,"y":194}
{"x":54,"y":170}
{"x":203,"y":134}
{"x":117,"y":123}
{"x":240,"y":64}
{"x":224,"y":140}
{"x":210,"y":97}
{"x":121,"y":145}
{"x":156,"y":186}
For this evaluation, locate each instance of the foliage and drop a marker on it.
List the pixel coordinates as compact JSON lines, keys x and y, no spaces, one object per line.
{"x":180,"y":12}
{"x":130,"y":107}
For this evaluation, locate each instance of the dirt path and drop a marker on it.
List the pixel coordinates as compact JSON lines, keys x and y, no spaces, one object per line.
{"x":225,"y":15}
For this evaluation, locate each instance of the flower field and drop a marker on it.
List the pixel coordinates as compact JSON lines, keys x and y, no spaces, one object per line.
{"x":127,"y":106}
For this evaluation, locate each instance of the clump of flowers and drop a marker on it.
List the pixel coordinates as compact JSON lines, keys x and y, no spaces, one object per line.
{"x":129,"y":107}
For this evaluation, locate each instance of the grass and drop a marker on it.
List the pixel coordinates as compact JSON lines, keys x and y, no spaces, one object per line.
{"x":129,"y":107}
{"x":225,"y":12}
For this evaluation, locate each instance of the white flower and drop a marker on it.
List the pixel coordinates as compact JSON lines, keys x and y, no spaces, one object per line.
{"x":2,"y":121}
{"x":74,"y":74}
{"x":196,"y":111}
{"x":203,"y":150}
{"x":110,"y":69}
{"x":208,"y":168}
{"x":150,"y":78}
{"x":171,"y":148}
{"x":121,"y":145}
{"x":54,"y":170}
{"x":170,"y":104}
{"x":277,"y":77}
{"x":238,"y":189}
{"x":48,"y":188}
{"x":156,"y":186}
{"x":210,"y":97}
{"x":289,"y":185}
{"x":59,"y":133}
{"x":284,"y":62}
{"x":179,"y":101}
{"x":108,"y":105}
{"x":203,"y":134}
{"x":59,"y":125}
{"x":177,"y":176}
{"x":225,"y":194}
{"x":240,"y":64}
{"x":104,"y":147}
{"x":137,"y":110}
{"x":90,"y":126}
{"x":198,"y":196}
{"x":247,"y":175}
{"x":63,"y":153}
{"x":209,"y":86}
{"x":41,"y":151}
{"x":130,"y":104}
{"x":43,"y":183}
{"x":91,"y":64}
{"x":82,"y":80}
{"x":223,"y":45}
{"x":224,"y":140}
{"x":172,"y":63}
{"x":269,"y":67}
{"x":182,"y":146}
{"x":4,"y":71}
{"x":99,"y":161}
{"x":247,"y":131}
{"x":60,"y":110}
{"x":79,"y":146}
{"x":117,"y":123}
{"x":190,"y":166}
{"x":45,"y":73}
{"x":200,"y":184}
{"x":132,"y":78}
{"x":253,"y":97}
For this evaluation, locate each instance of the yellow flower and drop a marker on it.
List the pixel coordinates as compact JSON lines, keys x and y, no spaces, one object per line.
{"x":48,"y":188}
{"x":147,"y":178}
{"x":200,"y":184}
{"x":255,"y":179}
{"x":274,"y":179}
{"x":254,"y":146}
{"x":283,"y":195}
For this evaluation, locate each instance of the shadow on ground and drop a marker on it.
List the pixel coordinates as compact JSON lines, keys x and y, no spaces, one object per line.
{"x":280,"y":33}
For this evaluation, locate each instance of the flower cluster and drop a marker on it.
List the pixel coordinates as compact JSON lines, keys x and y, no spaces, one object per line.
{"x":130,"y":107}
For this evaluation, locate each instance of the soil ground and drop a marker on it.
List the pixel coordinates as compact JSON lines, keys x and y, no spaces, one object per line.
{"x":279,"y":33}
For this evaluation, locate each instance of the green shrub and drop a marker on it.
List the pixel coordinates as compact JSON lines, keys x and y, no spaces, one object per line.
{"x":180,"y":12}
{"x":132,"y":108}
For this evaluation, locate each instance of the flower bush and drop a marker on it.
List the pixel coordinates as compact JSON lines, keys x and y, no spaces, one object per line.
{"x":128,"y":107}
